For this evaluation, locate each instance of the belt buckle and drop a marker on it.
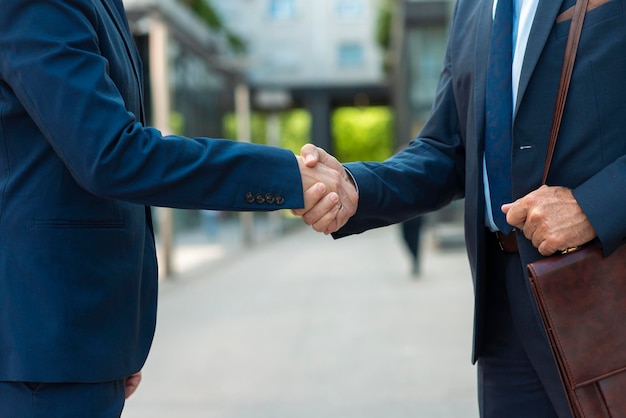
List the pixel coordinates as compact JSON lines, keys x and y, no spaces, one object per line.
{"x":507,"y":243}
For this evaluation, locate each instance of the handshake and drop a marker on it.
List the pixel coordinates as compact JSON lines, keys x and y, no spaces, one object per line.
{"x":330,"y":195}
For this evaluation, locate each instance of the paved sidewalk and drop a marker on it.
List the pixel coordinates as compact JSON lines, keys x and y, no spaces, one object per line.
{"x":306,"y":327}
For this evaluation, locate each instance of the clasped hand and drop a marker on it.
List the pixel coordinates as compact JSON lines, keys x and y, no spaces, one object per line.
{"x":330,"y":196}
{"x":551,"y":218}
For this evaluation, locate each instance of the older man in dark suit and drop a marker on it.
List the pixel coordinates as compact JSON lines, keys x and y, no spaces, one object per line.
{"x":486,"y":141}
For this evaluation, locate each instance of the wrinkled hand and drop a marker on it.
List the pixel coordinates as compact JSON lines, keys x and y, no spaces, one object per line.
{"x":131,"y":384}
{"x":551,"y":218}
{"x":328,"y":206}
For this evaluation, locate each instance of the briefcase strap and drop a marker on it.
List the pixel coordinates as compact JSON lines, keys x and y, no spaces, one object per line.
{"x":571,"y":48}
{"x":566,"y":75}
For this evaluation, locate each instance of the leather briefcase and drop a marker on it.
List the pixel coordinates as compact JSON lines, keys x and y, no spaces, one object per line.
{"x":581,"y":297}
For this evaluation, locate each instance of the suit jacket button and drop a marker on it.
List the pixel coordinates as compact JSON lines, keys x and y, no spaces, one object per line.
{"x":250,"y":198}
{"x":280,"y":199}
{"x":260,"y":199}
{"x":270,"y":199}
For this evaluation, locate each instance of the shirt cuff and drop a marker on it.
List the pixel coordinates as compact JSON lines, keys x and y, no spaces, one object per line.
{"x":353,"y":180}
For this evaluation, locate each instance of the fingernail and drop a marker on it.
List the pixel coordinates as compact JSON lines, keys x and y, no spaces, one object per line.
{"x":321,"y":187}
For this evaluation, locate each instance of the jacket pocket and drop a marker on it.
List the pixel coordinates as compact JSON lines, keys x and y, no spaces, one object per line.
{"x":597,"y":12}
{"x":77,"y":224}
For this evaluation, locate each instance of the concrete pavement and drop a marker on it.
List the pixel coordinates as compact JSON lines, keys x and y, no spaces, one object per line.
{"x":306,"y":327}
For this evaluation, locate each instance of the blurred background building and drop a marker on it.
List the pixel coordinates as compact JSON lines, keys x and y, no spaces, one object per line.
{"x":356,"y":77}
{"x":316,"y":55}
{"x":415,"y":57}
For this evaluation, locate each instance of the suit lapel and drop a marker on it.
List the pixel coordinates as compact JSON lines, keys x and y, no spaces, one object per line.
{"x":545,"y":18}
{"x":483,"y":33}
{"x":118,"y":17}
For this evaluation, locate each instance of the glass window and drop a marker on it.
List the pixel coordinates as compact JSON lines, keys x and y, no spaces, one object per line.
{"x":282,"y":9}
{"x":351,"y":55}
{"x":426,"y":48}
{"x":350,"y":8}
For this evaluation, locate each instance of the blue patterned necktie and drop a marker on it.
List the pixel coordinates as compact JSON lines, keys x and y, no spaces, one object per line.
{"x":499,"y":112}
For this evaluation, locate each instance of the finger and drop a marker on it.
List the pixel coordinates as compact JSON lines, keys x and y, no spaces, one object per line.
{"x":506,"y":207}
{"x":327,"y":223}
{"x":535,"y":234}
{"x":335,"y":225}
{"x":537,"y":242}
{"x":516,"y":214}
{"x":322,"y":212}
{"x":329,"y":204}
{"x":349,"y":199}
{"x":312,"y":196}
{"x":343,"y":216}
{"x":131,"y":384}
{"x":311,"y":154}
{"x":546,"y":249}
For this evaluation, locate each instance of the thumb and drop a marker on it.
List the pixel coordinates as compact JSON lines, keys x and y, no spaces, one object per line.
{"x":310,"y":154}
{"x":506,"y":207}
{"x":131,"y":384}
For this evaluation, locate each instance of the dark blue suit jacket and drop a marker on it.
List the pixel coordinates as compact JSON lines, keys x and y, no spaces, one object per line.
{"x":445,"y":162}
{"x":78,"y":272}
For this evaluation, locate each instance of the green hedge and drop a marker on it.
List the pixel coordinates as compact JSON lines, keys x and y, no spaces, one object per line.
{"x":359,"y":134}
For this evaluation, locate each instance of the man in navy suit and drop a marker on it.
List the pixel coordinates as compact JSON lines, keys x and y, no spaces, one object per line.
{"x":78,"y":172}
{"x":583,"y":201}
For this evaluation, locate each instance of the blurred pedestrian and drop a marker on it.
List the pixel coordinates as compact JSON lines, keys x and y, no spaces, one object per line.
{"x":411,"y":235}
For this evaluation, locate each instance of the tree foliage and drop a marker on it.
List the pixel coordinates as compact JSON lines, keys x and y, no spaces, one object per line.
{"x":383,"y":24}
{"x":207,"y":13}
{"x":359,"y":134}
{"x":363,"y":134}
{"x":295,"y":128}
{"x":383,"y":31}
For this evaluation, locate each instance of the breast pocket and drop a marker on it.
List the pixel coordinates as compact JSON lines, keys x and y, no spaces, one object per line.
{"x":598,"y":11}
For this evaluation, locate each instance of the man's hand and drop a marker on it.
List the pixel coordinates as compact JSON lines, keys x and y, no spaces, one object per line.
{"x":131,"y":384}
{"x":328,"y":206}
{"x":551,"y":218}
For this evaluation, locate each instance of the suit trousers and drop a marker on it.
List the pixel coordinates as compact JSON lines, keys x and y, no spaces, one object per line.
{"x":61,"y":400}
{"x":517,"y":375}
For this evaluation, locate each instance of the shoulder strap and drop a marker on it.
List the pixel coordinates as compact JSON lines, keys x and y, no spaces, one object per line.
{"x":571,"y":47}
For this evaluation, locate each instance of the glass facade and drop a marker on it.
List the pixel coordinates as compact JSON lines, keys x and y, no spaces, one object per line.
{"x":199,"y":94}
{"x":282,"y":9}
{"x":350,"y":9}
{"x":425,"y":55}
{"x":351,"y":55}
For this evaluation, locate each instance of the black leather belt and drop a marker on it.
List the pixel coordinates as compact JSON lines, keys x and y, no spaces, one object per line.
{"x":508,"y":243}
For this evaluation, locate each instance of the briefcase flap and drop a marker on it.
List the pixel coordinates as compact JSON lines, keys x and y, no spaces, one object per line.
{"x":584,"y":299}
{"x":607,"y":394}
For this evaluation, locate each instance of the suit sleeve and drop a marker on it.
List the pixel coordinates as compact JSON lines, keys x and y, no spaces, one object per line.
{"x":593,"y":131}
{"x":51,"y":58}
{"x":424,"y":177}
{"x":603,"y":199}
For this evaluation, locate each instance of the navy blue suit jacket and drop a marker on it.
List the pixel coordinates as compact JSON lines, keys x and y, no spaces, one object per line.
{"x":445,"y":162}
{"x":78,"y":272}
